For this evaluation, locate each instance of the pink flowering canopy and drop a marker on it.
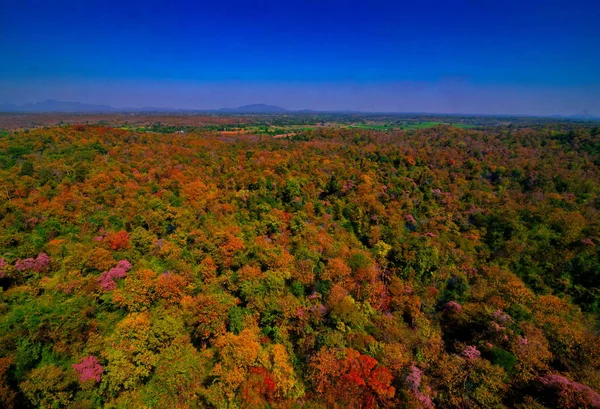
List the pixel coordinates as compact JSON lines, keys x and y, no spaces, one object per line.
{"x":33,"y":264}
{"x":124,"y":264}
{"x":566,"y":386}
{"x":25,"y":264}
{"x":41,"y":262}
{"x":413,"y":381}
{"x":501,"y":316}
{"x":452,"y":306}
{"x":89,"y":369}
{"x":107,"y":278}
{"x":470,"y":353}
{"x":117,"y":272}
{"x":106,"y":281}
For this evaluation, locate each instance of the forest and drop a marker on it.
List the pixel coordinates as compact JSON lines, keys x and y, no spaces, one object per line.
{"x":331,"y":267}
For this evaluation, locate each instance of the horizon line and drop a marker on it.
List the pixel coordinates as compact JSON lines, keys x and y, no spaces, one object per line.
{"x":108,"y":109}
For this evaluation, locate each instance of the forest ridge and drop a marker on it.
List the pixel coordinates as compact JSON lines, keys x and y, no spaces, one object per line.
{"x":409,"y":264}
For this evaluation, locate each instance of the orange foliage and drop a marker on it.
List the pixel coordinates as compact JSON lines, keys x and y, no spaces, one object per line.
{"x":138,"y":292}
{"x":171,"y":287}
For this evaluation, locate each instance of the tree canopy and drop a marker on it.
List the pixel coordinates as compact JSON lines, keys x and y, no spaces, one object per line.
{"x":342,"y":268}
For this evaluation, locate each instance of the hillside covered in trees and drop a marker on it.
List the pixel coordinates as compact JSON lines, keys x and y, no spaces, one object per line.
{"x":329,"y":268}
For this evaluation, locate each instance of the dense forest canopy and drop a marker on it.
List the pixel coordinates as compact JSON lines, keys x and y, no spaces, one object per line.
{"x":332,"y":267}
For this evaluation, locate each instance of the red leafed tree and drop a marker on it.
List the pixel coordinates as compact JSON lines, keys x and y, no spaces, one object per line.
{"x":170,"y":286}
{"x":350,"y":380}
{"x":258,"y":388}
{"x":118,"y":240}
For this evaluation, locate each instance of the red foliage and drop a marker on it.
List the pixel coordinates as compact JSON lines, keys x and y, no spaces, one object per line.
{"x":258,"y":388}
{"x":171,"y":287}
{"x":353,"y":381}
{"x":118,"y":240}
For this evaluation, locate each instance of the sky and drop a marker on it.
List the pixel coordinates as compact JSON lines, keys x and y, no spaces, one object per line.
{"x":453,"y":56}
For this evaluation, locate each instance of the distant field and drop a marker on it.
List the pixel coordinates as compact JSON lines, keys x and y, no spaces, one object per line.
{"x":269,"y":124}
{"x":287,"y":130}
{"x":414,"y":125}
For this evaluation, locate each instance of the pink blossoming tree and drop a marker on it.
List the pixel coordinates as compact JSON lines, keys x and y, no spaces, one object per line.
{"x":89,"y":369}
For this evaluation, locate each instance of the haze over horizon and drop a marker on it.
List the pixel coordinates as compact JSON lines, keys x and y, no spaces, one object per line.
{"x":528,"y":57}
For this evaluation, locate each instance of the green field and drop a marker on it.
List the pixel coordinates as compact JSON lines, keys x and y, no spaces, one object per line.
{"x":410,"y":125}
{"x":277,"y":128}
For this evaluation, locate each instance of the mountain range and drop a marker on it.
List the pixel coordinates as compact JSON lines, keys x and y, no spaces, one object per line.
{"x":51,"y":105}
{"x":256,"y":108}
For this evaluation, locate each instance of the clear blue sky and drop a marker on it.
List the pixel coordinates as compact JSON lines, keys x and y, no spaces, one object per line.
{"x":475,"y":56}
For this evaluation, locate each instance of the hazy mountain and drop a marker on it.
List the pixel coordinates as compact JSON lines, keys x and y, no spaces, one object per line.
{"x":256,"y":108}
{"x":51,"y":105}
{"x":7,"y":107}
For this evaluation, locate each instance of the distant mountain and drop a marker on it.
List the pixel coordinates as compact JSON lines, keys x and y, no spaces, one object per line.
{"x":576,"y":116}
{"x":51,"y":105}
{"x":7,"y":107}
{"x":256,"y":109}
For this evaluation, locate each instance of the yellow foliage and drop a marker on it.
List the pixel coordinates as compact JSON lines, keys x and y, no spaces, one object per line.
{"x":100,"y":259}
{"x":48,"y":387}
{"x":139,"y":291}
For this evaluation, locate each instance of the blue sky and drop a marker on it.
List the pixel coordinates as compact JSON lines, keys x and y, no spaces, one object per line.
{"x":462,"y":56}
